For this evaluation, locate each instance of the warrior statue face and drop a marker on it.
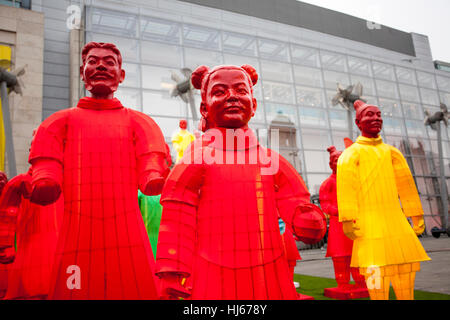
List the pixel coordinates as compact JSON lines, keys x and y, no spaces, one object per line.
{"x":370,"y":122}
{"x":334,"y":157}
{"x":183,"y":124}
{"x":102,"y":69}
{"x":334,"y":160}
{"x":229,"y":101}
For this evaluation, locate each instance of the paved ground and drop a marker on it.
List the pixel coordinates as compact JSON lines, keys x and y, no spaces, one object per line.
{"x":433,"y":277}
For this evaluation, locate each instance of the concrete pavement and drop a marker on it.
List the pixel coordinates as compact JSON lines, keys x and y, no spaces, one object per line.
{"x":434,"y":275}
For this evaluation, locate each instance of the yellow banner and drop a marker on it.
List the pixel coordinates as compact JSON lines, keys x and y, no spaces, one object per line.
{"x":5,"y":60}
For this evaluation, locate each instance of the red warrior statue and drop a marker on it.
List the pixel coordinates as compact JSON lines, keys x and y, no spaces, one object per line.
{"x":98,"y":153}
{"x":35,"y":229}
{"x":3,"y":267}
{"x":222,"y":200}
{"x":339,"y":247}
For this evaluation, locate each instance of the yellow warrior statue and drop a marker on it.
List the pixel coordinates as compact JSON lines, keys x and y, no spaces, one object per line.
{"x":182,"y":139}
{"x":371,"y":179}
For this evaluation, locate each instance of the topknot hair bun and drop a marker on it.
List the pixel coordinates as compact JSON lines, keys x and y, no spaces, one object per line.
{"x":251,"y":72}
{"x":198,"y":75}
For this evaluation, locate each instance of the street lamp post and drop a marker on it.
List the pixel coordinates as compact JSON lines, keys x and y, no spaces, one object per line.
{"x":434,"y":121}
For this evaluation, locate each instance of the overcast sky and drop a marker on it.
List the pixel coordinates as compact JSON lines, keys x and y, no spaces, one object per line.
{"x":428,"y":17}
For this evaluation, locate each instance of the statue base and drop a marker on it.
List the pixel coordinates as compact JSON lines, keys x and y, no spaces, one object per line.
{"x":346,"y":293}
{"x":304,"y":297}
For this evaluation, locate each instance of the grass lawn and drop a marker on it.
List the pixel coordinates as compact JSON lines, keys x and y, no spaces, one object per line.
{"x":314,"y":286}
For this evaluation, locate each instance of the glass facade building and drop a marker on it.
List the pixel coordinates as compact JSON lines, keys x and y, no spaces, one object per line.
{"x":299,"y":70}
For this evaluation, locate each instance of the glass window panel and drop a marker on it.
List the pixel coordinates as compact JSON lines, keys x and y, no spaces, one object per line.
{"x":287,"y":140}
{"x":168,"y":126}
{"x":383,"y":71}
{"x":308,"y":76}
{"x":359,"y":66}
{"x":276,"y":71}
{"x":241,"y":60}
{"x":393,"y":126}
{"x":238,"y":44}
{"x":429,"y":221}
{"x":287,"y":136}
{"x":281,"y":113}
{"x":201,"y":37}
{"x":445,"y":98}
{"x":313,"y":117}
{"x":158,"y":78}
{"x":433,"y":188}
{"x":435,"y":208}
{"x":338,"y":119}
{"x":315,"y":139}
{"x":329,"y":95}
{"x":332,"y":78}
{"x":113,"y":22}
{"x":275,"y":50}
{"x":309,"y":96}
{"x":418,"y":146}
{"x":305,"y":56}
{"x":409,"y":93}
{"x":161,"y":54}
{"x":371,"y":100}
{"x":443,"y":83}
{"x":429,"y":97}
{"x":396,"y":141}
{"x":390,"y":108}
{"x":160,"y":103}
{"x":278,"y":92}
{"x":338,"y":139}
{"x":412,"y":110}
{"x":421,"y":185}
{"x":160,"y":30}
{"x":294,"y":157}
{"x":257,"y":94}
{"x":259,"y":116}
{"x":333,"y":61}
{"x":426,"y":80}
{"x":434,"y":148}
{"x":315,"y":180}
{"x":431,"y":211}
{"x":196,"y":57}
{"x":287,"y":144}
{"x":415,"y":128}
{"x":367,"y":84}
{"x":406,"y":75}
{"x":130,"y":98}
{"x":317,"y":161}
{"x":420,"y":166}
{"x":445,"y":149}
{"x":431,"y":133}
{"x":129,"y":48}
{"x":434,"y":169}
{"x":132,"y":75}
{"x":387,"y":89}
